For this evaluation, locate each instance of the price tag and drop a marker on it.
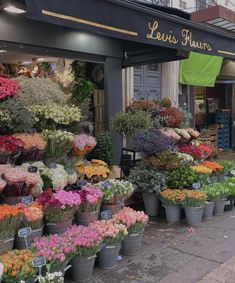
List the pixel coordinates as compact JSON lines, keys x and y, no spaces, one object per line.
{"x":196,"y":186}
{"x":225,"y":178}
{"x":24,"y":232}
{"x":27,"y":200}
{"x":82,"y":183}
{"x":39,"y":262}
{"x":106,"y":214}
{"x":195,"y":162}
{"x":32,"y":169}
{"x":53,"y":166}
{"x":209,"y":180}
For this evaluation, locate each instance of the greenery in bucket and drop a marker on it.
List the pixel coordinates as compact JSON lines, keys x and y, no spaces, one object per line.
{"x":228,"y":166}
{"x":147,"y":179}
{"x":216,"y":191}
{"x":194,"y":198}
{"x":128,"y":123}
{"x":172,"y":197}
{"x":182,"y":177}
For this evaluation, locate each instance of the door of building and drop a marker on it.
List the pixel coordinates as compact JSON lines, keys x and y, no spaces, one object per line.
{"x":147,"y":82}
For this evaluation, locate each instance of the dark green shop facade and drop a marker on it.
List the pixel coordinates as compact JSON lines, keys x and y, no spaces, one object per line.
{"x":116,"y":34}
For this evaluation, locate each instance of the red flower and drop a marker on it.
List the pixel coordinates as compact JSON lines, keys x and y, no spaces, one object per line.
{"x":8,"y":87}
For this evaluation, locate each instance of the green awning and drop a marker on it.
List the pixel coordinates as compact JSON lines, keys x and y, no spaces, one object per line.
{"x":200,"y":69}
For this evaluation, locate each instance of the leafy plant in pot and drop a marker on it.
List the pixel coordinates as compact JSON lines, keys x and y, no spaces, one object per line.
{"x":182,"y":177}
{"x":129,"y":123}
{"x":211,"y":194}
{"x":172,"y":199}
{"x":193,"y":204}
{"x":135,"y":221}
{"x":150,"y":182}
{"x":229,"y":202}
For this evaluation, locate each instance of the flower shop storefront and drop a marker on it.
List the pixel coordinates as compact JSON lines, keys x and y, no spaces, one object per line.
{"x":62,"y":208}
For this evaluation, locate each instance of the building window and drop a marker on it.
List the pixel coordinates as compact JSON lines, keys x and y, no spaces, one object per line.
{"x":183,"y":4}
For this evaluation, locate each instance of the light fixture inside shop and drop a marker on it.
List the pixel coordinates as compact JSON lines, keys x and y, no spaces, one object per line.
{"x":13,"y":9}
{"x":3,"y":51}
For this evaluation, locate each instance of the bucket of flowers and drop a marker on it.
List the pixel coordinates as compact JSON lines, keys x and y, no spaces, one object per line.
{"x":172,"y":199}
{"x":18,"y":266}
{"x":88,"y":211}
{"x":10,"y":149}
{"x":58,"y":209}
{"x":83,"y":144}
{"x":33,"y":218}
{"x":112,"y":234}
{"x":115,"y":194}
{"x":135,"y":221}
{"x":10,"y":219}
{"x":86,"y":243}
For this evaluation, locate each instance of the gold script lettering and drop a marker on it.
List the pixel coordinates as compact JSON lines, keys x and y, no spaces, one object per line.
{"x":157,"y":35}
{"x":188,"y":40}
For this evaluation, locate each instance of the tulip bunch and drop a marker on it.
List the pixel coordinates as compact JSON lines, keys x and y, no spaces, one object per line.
{"x":32,"y":216}
{"x":135,"y":221}
{"x":85,"y":240}
{"x":194,"y":198}
{"x":110,"y":230}
{"x":201,"y":169}
{"x":18,"y":266}
{"x":172,"y":197}
{"x":91,"y":199}
{"x":213,"y":165}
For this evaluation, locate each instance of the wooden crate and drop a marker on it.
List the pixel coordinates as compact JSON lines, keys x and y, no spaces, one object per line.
{"x":99,"y":127}
{"x":99,"y":97}
{"x":209,"y":136}
{"x":99,"y":114}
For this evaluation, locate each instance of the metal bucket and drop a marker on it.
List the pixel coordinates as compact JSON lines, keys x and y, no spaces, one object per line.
{"x":208,"y":210}
{"x":20,"y":241}
{"x":82,"y":268}
{"x":193,"y":214}
{"x":173,"y":213}
{"x":132,"y":244}
{"x":85,"y":218}
{"x":57,"y":228}
{"x":151,"y":204}
{"x":6,"y":245}
{"x":219,"y":206}
{"x":107,"y":257}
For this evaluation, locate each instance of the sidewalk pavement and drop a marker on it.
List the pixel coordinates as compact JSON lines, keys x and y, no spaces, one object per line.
{"x":178,"y":254}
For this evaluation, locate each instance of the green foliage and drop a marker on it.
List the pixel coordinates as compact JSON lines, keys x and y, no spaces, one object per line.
{"x":147,"y":179}
{"x":104,"y":149}
{"x":21,"y":120}
{"x":45,"y":67}
{"x":216,"y":191}
{"x":228,"y":166}
{"x":182,"y":177}
{"x":186,"y":116}
{"x":82,"y":90}
{"x":129,"y":123}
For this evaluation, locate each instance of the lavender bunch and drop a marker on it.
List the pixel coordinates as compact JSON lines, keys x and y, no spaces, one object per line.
{"x":151,"y":142}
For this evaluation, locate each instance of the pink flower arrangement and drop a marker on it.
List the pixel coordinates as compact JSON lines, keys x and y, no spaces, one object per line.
{"x":83,"y":140}
{"x":91,"y":199}
{"x":134,"y":220}
{"x":8,"y":87}
{"x":55,"y":248}
{"x":85,"y":240}
{"x":58,"y":206}
{"x":110,"y":231}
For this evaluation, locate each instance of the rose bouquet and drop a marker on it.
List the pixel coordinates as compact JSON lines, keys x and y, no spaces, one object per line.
{"x":151,"y":142}
{"x":93,"y":170}
{"x":172,"y":197}
{"x":86,"y":241}
{"x":18,"y":266}
{"x":10,"y":219}
{"x":135,"y":221}
{"x":8,"y":88}
{"x":56,"y":249}
{"x":34,"y":146}
{"x":91,"y":199}
{"x":110,"y":231}
{"x":83,"y":144}
{"x":10,"y":148}
{"x":59,"y":206}
{"x":115,"y":191}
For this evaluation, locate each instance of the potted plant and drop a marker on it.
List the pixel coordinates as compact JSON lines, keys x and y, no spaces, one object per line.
{"x":193,"y":204}
{"x":135,"y":221}
{"x":56,"y":249}
{"x":115,"y":194}
{"x":58,"y":209}
{"x":172,"y":200}
{"x":10,"y":219}
{"x":211,"y":193}
{"x":88,"y":211}
{"x":86,"y":243}
{"x":32,"y":217}
{"x":181,"y":178}
{"x":112,"y":234}
{"x":129,"y":123}
{"x":222,"y":192}
{"x":229,"y":202}
{"x":18,"y":266}
{"x":150,"y":182}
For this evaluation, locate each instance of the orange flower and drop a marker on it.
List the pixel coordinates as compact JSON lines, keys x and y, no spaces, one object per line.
{"x":212,"y":165}
{"x":9,"y":210}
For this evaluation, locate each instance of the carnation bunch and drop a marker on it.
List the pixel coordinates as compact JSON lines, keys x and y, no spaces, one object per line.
{"x":86,"y":240}
{"x":91,"y":199}
{"x":10,"y":219}
{"x":55,"y":248}
{"x":18,"y":266}
{"x":115,"y":191}
{"x":110,"y":231}
{"x":135,"y":221}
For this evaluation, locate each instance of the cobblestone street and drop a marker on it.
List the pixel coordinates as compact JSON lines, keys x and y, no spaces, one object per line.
{"x":177,"y":254}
